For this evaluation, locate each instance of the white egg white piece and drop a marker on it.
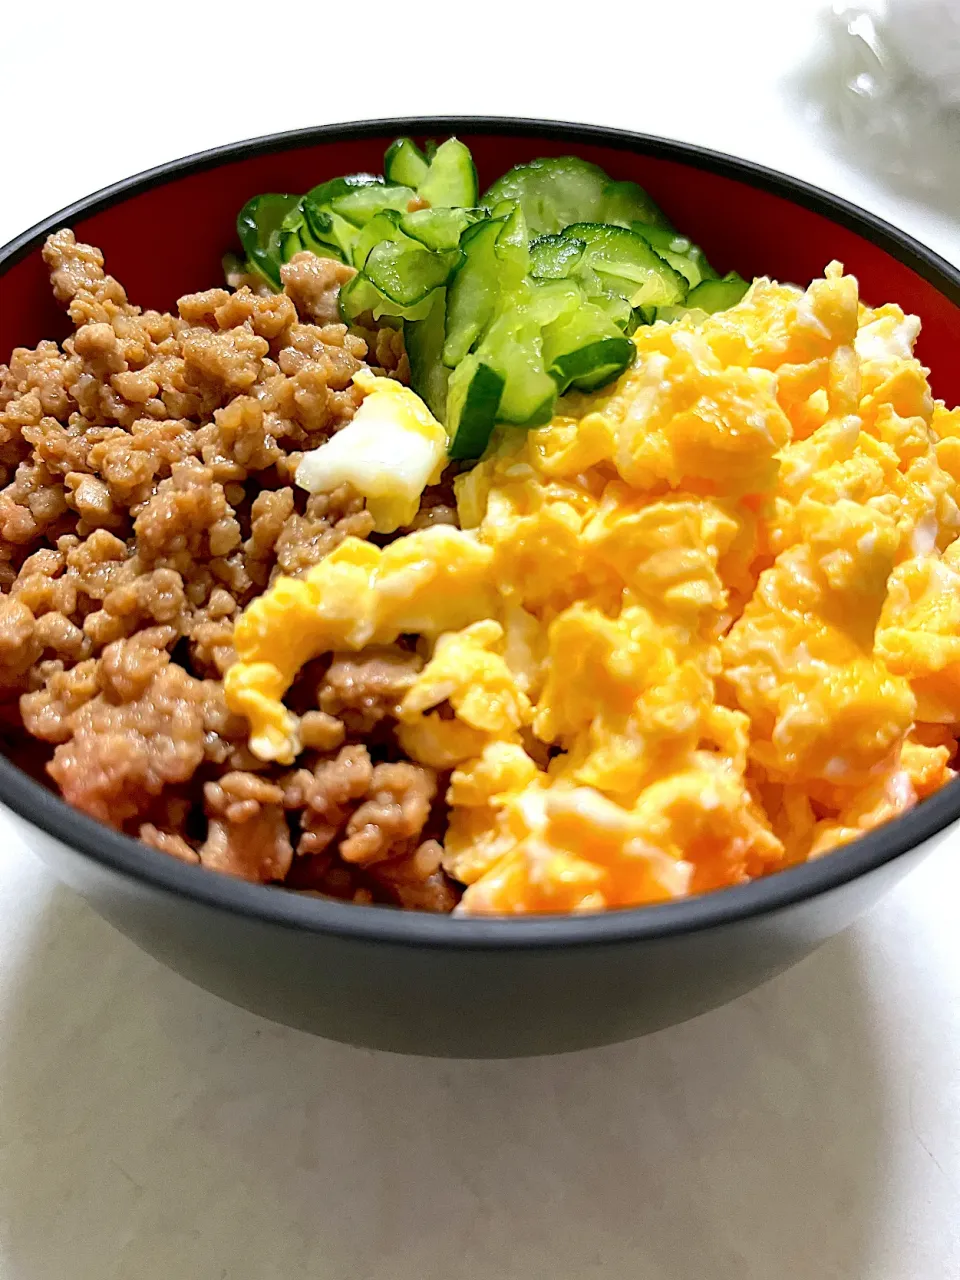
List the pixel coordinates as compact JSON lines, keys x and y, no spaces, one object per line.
{"x":390,"y":451}
{"x":887,"y":340}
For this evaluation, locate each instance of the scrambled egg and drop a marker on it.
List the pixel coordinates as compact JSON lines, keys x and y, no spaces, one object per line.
{"x":428,"y":583}
{"x":703,"y":626}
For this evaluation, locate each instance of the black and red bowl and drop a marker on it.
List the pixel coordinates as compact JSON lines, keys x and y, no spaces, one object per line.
{"x":440,"y":985}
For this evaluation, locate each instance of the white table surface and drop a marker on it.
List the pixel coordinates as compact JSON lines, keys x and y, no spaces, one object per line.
{"x":148,"y":1131}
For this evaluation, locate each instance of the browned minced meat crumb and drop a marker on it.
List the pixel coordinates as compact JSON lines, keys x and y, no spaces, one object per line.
{"x":416,"y":881}
{"x":438,"y":505}
{"x":376,"y":818}
{"x":361,"y":689}
{"x":314,"y":285}
{"x":146,"y":496}
{"x":393,"y":814}
{"x":168,"y":842}
{"x":248,"y":834}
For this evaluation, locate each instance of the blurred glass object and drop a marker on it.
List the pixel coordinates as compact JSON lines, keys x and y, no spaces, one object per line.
{"x":896,"y":83}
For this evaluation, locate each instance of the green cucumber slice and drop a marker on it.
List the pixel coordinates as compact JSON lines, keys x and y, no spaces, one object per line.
{"x":327,"y":227}
{"x":439,"y":228}
{"x":474,"y":291}
{"x":405,"y":272}
{"x":361,"y":204}
{"x":624,"y":203}
{"x":555,"y":257}
{"x":292,"y":231}
{"x":513,"y":245}
{"x":552,"y":192}
{"x":669,"y":314}
{"x":594,"y":365}
{"x":717,"y":295}
{"x":423,"y":340}
{"x":384,"y":227}
{"x":585,"y":349}
{"x":451,"y":180}
{"x":290,"y":244}
{"x":617,"y":309}
{"x":296,"y":235}
{"x":473,"y":397}
{"x":557,"y":191}
{"x":357,"y":297}
{"x":405,"y":163}
{"x":325,"y":222}
{"x":550,"y":301}
{"x":706,"y":299}
{"x":259,"y":226}
{"x":324,"y":193}
{"x":513,"y":347}
{"x":619,"y":261}
{"x":682,"y":254}
{"x":335,"y":211}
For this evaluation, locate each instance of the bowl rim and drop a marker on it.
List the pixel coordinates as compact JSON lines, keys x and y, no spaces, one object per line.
{"x":122,"y":854}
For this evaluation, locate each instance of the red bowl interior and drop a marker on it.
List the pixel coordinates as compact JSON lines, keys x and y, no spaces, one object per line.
{"x":168,"y":240}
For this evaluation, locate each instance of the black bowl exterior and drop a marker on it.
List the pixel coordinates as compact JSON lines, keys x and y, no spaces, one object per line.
{"x":416,"y":983}
{"x":463,"y":1002}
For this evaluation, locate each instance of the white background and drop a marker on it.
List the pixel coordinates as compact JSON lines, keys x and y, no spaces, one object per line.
{"x":811,"y":1131}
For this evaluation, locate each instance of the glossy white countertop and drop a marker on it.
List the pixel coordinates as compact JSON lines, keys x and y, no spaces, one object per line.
{"x":148,"y":1131}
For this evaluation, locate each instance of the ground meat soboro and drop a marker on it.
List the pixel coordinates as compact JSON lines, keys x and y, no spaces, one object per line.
{"x":146,"y":497}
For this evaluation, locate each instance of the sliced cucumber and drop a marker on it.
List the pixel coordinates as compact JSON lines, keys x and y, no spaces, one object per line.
{"x":405,"y":272}
{"x":669,"y":314}
{"x":624,"y":203}
{"x":585,"y":349}
{"x":552,"y":192}
{"x":296,"y":222}
{"x":296,"y":236}
{"x":555,"y":192}
{"x":550,"y":301}
{"x":260,"y":228}
{"x":513,"y":247}
{"x":706,"y":299}
{"x":619,"y":261}
{"x":444,"y":177}
{"x":594,"y":365}
{"x":405,"y":163}
{"x":424,"y":343}
{"x":327,"y":227}
{"x":451,"y":180}
{"x":619,"y":310}
{"x":357,"y":297}
{"x":439,"y":228}
{"x":501,"y":208}
{"x":505,"y":306}
{"x":361,"y":204}
{"x":473,"y":397}
{"x":384,"y":228}
{"x":335,"y":211}
{"x":474,"y":291}
{"x":324,"y":193}
{"x":555,"y":257}
{"x":717,"y":295}
{"x":682,"y":254}
{"x":513,"y":347}
{"x":292,"y":231}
